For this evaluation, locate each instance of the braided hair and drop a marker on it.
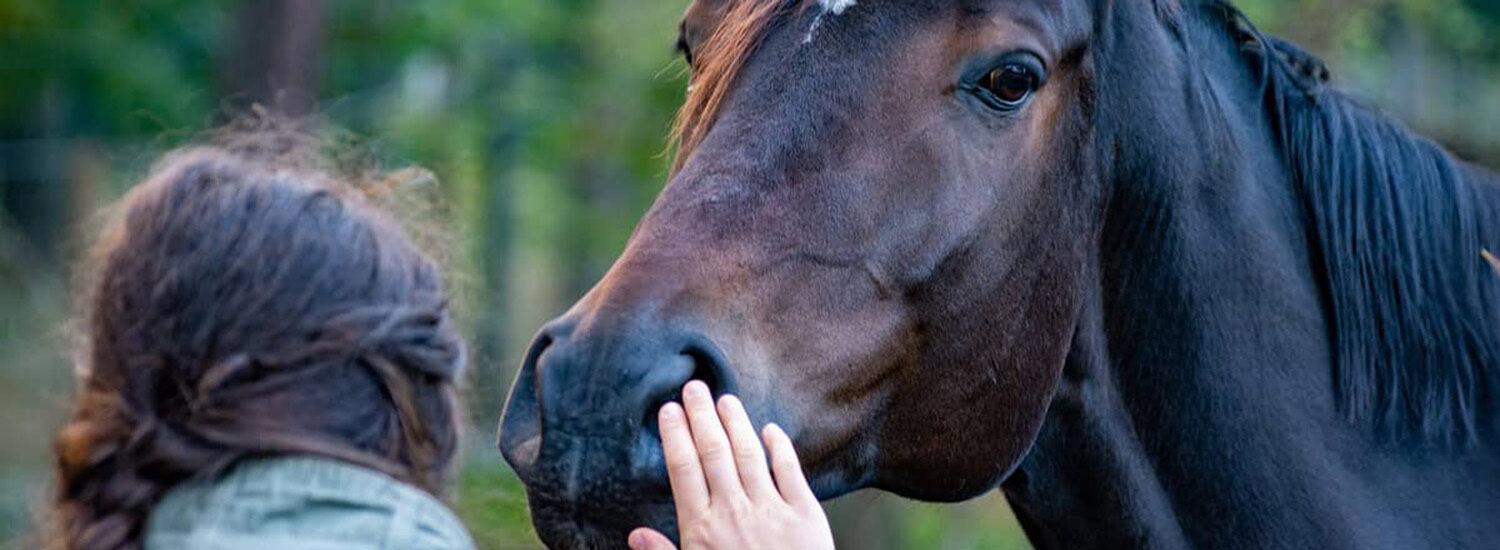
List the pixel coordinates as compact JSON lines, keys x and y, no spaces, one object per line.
{"x":242,"y":307}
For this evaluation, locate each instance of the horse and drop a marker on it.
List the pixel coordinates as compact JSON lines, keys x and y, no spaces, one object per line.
{"x":1134,"y":263}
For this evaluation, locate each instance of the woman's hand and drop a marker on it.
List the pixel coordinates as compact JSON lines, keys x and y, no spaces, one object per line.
{"x":725,"y":497}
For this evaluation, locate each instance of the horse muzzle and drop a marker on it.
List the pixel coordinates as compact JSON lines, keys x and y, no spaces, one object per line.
{"x":580,"y":425}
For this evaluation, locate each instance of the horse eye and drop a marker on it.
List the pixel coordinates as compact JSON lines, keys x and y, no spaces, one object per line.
{"x":1011,"y":84}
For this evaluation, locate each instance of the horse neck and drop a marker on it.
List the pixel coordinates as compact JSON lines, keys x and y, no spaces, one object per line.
{"x":1196,"y":400}
{"x":1197,"y":407}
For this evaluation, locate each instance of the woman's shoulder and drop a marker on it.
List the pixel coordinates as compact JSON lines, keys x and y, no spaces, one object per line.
{"x":303,"y":503}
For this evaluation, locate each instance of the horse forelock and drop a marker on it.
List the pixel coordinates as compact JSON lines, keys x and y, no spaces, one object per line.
{"x":717,"y":65}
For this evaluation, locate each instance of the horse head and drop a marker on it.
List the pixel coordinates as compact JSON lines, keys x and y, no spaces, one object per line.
{"x":873,"y":236}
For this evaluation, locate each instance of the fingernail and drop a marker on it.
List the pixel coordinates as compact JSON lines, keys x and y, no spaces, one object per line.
{"x":696,"y":388}
{"x":637,"y":541}
{"x":729,"y":401}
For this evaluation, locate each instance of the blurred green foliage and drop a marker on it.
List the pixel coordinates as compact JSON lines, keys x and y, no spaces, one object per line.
{"x":545,"y":122}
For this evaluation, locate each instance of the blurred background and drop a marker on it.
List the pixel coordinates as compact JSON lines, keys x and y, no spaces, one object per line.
{"x":545,"y":121}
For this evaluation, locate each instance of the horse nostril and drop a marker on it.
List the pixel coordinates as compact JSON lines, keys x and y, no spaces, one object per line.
{"x":706,"y":363}
{"x":520,"y":438}
{"x":710,"y":366}
{"x":525,"y":453}
{"x":582,"y":395}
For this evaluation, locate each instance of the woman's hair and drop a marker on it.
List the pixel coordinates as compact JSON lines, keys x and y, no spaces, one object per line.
{"x":246,"y":301}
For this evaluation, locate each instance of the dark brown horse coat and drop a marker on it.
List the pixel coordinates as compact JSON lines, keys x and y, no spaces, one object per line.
{"x":1130,"y":261}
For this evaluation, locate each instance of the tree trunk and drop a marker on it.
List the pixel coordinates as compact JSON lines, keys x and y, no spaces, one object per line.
{"x":278,"y":55}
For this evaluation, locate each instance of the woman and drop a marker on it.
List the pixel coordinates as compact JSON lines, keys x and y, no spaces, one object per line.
{"x":269,"y":362}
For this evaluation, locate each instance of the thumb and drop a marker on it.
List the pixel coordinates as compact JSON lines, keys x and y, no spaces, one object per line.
{"x":649,"y":539}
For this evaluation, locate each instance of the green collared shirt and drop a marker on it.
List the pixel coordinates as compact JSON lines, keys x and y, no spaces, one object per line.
{"x":303,"y":503}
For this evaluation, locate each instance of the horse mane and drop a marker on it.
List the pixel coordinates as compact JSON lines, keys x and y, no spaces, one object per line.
{"x":1397,"y":242}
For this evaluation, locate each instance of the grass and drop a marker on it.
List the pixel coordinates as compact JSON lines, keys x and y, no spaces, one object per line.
{"x":492,"y":503}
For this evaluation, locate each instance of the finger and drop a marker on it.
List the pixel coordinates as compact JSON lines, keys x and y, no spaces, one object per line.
{"x":649,"y":539}
{"x":689,"y":490}
{"x":712,"y":443}
{"x":749,"y":456}
{"x":788,"y":469}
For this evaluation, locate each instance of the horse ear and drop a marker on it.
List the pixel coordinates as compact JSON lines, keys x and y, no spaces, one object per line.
{"x":702,"y":19}
{"x":1307,"y":65}
{"x":1310,"y":72}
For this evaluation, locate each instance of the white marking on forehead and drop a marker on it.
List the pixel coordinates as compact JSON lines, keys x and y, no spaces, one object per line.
{"x":837,"y":6}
